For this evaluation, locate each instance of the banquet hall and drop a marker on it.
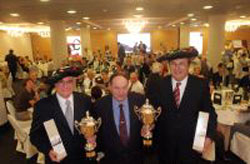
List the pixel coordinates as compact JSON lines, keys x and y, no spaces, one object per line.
{"x":40,"y":39}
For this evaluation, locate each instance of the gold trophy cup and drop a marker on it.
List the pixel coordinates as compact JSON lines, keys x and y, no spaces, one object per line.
{"x":88,"y":126}
{"x":148,"y":115}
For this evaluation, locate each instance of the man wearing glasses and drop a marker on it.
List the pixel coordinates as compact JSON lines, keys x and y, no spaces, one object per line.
{"x":64,"y":107}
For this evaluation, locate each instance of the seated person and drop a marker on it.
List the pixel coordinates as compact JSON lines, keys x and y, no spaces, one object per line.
{"x":220,"y":77}
{"x":25,"y":99}
{"x":197,"y":71}
{"x":89,"y":80}
{"x":245,"y":81}
{"x":129,"y":67}
{"x":135,"y":85}
{"x":245,"y":84}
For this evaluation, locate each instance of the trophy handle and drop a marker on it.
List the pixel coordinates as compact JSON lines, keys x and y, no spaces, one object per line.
{"x":137,"y":111}
{"x":77,"y":126}
{"x":98,"y":124}
{"x":158,"y":112}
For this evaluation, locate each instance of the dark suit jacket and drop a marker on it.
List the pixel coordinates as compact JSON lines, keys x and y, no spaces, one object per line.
{"x":108,"y":137}
{"x":175,"y":129}
{"x":49,"y":108}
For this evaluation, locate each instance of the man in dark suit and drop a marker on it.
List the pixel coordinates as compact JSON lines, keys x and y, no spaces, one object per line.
{"x":220,"y":77}
{"x":65,"y":107}
{"x":182,"y":97}
{"x":119,"y":136}
{"x":12,"y":60}
{"x":121,"y":53}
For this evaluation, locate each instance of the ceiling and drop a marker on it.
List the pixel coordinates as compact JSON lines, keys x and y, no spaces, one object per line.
{"x":111,"y":13}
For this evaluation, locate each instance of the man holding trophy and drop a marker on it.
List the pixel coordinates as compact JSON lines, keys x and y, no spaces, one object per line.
{"x":182,"y":98}
{"x":119,"y":136}
{"x":53,"y":129}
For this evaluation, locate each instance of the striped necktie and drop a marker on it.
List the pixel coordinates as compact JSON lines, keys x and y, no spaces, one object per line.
{"x":177,"y":94}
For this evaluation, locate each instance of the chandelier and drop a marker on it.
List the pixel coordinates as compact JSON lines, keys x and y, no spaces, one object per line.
{"x":233,"y":25}
{"x":134,"y":25}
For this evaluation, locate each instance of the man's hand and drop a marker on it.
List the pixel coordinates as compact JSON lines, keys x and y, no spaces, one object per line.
{"x":54,"y":156}
{"x":207,"y":144}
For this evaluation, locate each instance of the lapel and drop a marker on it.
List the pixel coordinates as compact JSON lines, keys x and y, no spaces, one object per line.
{"x":169,"y":90}
{"x":133,"y":119}
{"x":186,"y":94}
{"x":79,"y":110}
{"x":59,"y":116}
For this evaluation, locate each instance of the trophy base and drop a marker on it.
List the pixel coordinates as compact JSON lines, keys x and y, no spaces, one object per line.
{"x":147,"y":142}
{"x":91,"y":157}
{"x":90,"y":154}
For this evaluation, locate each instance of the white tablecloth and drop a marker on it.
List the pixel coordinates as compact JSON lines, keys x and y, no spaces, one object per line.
{"x":240,"y":145}
{"x":231,"y":116}
{"x":3,"y":112}
{"x":226,"y":118}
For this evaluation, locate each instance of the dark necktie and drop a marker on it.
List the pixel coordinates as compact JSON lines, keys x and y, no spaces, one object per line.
{"x":177,"y":94}
{"x":123,"y":127}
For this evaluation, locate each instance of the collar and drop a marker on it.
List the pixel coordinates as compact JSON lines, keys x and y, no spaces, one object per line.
{"x":184,"y":81}
{"x":63,"y":100}
{"x":117,"y":103}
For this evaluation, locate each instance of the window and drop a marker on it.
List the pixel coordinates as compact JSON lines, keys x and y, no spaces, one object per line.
{"x":196,"y":40}
{"x":129,"y":40}
{"x":74,"y":45}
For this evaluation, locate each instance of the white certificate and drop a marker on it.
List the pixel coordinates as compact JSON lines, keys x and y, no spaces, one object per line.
{"x":55,"y":138}
{"x":201,"y":131}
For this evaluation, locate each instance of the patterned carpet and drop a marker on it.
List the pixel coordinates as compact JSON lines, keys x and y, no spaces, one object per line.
{"x":8,"y":155}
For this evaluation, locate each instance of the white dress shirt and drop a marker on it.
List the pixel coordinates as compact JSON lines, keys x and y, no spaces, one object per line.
{"x":62,"y":103}
{"x":182,"y":86}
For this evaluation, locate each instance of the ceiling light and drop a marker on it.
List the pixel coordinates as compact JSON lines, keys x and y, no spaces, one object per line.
{"x":44,"y":0}
{"x":14,"y":14}
{"x":190,"y":15}
{"x":243,"y":16}
{"x":233,"y":25}
{"x":88,"y":26}
{"x":193,"y":19}
{"x":182,"y":23}
{"x":1,"y":22}
{"x":78,"y":23}
{"x":105,"y":10}
{"x":69,"y":28}
{"x":139,"y":9}
{"x":71,"y":11}
{"x":206,"y":24}
{"x":94,"y":28}
{"x":138,"y":16}
{"x":195,"y":25}
{"x":207,"y":7}
{"x":173,"y":25}
{"x":40,"y":23}
{"x":86,"y":18}
{"x":16,"y":30}
{"x":109,"y":29}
